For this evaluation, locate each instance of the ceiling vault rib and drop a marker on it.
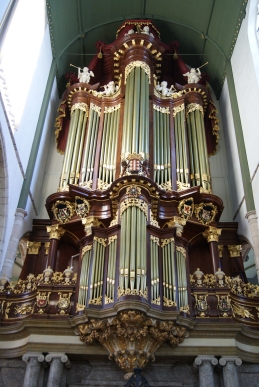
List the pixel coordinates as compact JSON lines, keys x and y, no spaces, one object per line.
{"x":144,"y":7}
{"x":207,"y":30}
{"x":154,"y":17}
{"x":79,"y":13}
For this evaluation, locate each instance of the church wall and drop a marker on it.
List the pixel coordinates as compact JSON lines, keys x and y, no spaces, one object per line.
{"x":245,"y":61}
{"x":220,"y":171}
{"x":24,"y":139}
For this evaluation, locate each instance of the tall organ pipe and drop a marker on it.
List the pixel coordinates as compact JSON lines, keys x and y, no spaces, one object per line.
{"x":136,"y":114}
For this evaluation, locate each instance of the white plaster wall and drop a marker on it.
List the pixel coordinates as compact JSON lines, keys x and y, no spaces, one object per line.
{"x":245,"y":65}
{"x":219,"y":170}
{"x":24,"y":138}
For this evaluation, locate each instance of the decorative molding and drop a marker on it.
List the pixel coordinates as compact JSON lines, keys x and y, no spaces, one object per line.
{"x":161,"y":109}
{"x":111,"y":109}
{"x":192,"y":107}
{"x":95,"y":108}
{"x":133,"y":202}
{"x":166,"y":241}
{"x":178,"y":109}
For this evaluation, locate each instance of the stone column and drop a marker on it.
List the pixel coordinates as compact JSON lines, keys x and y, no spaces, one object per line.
{"x":32,"y":374}
{"x":212,"y":235}
{"x":205,"y":364}
{"x":253,"y":225}
{"x":13,"y":244}
{"x":57,"y":363}
{"x":55,"y":233}
{"x":230,"y":374}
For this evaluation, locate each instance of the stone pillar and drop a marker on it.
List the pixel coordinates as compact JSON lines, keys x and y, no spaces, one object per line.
{"x":13,"y":244}
{"x":32,"y":374}
{"x":212,"y":235}
{"x":55,"y":233}
{"x":230,"y":374}
{"x":57,"y":363}
{"x":253,"y":225}
{"x":205,"y":364}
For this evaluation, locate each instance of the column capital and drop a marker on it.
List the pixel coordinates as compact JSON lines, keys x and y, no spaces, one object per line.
{"x":33,"y":247}
{"x":230,"y":359}
{"x":234,"y":250}
{"x":208,"y":358}
{"x":212,"y":234}
{"x":30,"y":355}
{"x":57,"y":355}
{"x":55,"y":232}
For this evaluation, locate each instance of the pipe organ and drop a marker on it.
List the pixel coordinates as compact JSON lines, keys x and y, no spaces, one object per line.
{"x":134,"y":223}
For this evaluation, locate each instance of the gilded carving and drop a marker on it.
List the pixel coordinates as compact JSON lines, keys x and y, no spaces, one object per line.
{"x":220,"y":248}
{"x":112,"y":239}
{"x":234,"y":250}
{"x":177,"y":222}
{"x":111,"y":109}
{"x":212,"y":234}
{"x":239,"y":310}
{"x":96,"y":301}
{"x":201,"y":304}
{"x":185,"y":309}
{"x":46,"y":246}
{"x":224,"y":304}
{"x":154,"y":239}
{"x":81,"y":106}
{"x":186,"y":207}
{"x":131,"y":338}
{"x":42,"y":300}
{"x":63,"y":210}
{"x":181,"y":250}
{"x":192,"y":107}
{"x":26,"y":308}
{"x":82,"y":207}
{"x":137,"y":63}
{"x":90,"y":222}
{"x":182,"y":186}
{"x":102,"y":185}
{"x":166,"y":241}
{"x":33,"y":247}
{"x":153,"y":222}
{"x":205,"y":212}
{"x":133,"y":202}
{"x":63,"y":302}
{"x":95,"y":108}
{"x":167,"y":302}
{"x":167,"y":186}
{"x":178,"y":109}
{"x":55,"y":232}
{"x":102,"y":241}
{"x":131,"y":292}
{"x":161,"y":109}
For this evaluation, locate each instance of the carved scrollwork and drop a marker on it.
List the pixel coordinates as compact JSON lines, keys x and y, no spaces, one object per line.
{"x":131,"y":337}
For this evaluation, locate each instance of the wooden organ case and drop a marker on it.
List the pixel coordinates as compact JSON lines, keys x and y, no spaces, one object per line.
{"x":134,"y":229}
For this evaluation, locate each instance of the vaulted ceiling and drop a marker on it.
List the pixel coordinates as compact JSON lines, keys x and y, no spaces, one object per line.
{"x":206,"y":30}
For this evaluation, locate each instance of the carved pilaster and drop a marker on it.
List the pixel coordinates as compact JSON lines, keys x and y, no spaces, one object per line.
{"x":32,"y":373}
{"x":212,"y":234}
{"x":205,"y":364}
{"x":230,"y":373}
{"x":221,"y":248}
{"x":33,"y":247}
{"x":46,"y":246}
{"x":177,"y":222}
{"x":234,"y":250}
{"x":90,"y":222}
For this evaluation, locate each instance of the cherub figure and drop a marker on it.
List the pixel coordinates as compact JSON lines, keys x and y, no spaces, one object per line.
{"x":109,"y":89}
{"x":146,"y":31}
{"x":194,"y":75}
{"x":164,"y":89}
{"x":84,"y":75}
